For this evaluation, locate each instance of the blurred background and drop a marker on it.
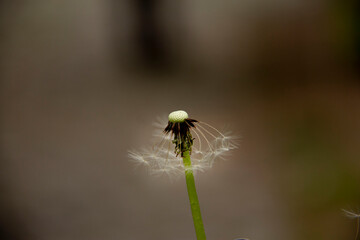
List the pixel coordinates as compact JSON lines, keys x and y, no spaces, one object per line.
{"x":81,"y":83}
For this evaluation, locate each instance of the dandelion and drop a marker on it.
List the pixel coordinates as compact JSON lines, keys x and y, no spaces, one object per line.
{"x":204,"y":143}
{"x":181,"y":138}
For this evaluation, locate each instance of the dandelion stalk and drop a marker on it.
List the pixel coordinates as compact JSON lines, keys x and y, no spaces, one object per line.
{"x":193,"y":198}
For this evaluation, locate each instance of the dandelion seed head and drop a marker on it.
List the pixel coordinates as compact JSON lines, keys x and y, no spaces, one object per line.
{"x":204,"y":142}
{"x":178,"y":116}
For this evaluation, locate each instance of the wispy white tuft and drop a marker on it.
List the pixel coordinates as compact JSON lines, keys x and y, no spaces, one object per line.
{"x":351,"y":214}
{"x":209,"y":145}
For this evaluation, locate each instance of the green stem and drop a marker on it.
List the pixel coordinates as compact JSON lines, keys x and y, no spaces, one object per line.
{"x":194,"y":201}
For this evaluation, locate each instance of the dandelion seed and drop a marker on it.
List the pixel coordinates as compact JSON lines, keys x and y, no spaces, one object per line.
{"x":350,"y":214}
{"x":356,"y":216}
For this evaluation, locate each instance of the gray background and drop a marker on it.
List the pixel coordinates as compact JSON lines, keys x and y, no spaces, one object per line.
{"x":83,"y":81}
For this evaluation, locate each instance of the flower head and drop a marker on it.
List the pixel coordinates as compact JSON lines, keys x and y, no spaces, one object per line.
{"x":204,"y":142}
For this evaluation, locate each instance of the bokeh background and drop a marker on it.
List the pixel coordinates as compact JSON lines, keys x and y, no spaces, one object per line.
{"x":83,"y":80}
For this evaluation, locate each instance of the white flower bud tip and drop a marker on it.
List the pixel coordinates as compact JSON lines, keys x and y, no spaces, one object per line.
{"x":178,"y":116}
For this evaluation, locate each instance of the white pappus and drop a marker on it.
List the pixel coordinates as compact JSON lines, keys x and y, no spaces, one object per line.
{"x":204,"y":142}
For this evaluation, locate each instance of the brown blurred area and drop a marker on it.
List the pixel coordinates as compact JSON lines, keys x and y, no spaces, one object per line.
{"x":82,"y":81}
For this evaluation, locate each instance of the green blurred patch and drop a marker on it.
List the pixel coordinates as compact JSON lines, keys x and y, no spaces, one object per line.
{"x":320,"y":178}
{"x":321,"y":169}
